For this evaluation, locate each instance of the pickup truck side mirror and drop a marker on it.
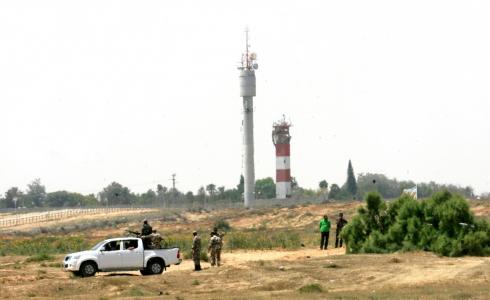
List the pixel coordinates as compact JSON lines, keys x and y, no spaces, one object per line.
{"x":102,"y":249}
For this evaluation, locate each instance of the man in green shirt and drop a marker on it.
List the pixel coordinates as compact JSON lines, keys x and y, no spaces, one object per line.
{"x":325,"y":231}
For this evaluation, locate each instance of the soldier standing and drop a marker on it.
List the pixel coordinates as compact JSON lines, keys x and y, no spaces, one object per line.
{"x":341,"y":222}
{"x":220,"y":235}
{"x":146,"y":230}
{"x":213,"y":248}
{"x":196,"y":251}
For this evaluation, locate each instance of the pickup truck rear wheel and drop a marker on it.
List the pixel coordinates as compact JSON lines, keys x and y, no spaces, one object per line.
{"x":88,"y":269}
{"x":155,"y":267}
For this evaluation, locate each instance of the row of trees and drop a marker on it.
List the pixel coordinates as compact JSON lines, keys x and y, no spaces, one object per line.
{"x":388,"y":188}
{"x":116,"y":194}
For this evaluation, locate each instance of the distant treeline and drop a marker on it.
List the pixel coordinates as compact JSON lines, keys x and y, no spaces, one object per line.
{"x":116,"y":194}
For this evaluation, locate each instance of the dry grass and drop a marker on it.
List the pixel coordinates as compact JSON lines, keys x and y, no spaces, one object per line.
{"x":254,"y":274}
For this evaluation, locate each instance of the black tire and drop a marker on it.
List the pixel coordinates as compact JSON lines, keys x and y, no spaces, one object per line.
{"x":154,"y":267}
{"x":88,"y":268}
{"x":144,"y":272}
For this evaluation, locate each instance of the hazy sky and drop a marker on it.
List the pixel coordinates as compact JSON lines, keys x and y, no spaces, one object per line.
{"x":132,"y":91}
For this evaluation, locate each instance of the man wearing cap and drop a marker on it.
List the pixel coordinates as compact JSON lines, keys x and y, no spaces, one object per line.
{"x":196,"y":251}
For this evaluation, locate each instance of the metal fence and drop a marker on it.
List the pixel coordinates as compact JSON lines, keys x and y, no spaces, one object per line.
{"x":16,"y":220}
{"x":22,"y":217}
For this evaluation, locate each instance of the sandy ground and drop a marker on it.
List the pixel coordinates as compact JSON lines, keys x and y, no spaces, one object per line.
{"x":259,"y":275}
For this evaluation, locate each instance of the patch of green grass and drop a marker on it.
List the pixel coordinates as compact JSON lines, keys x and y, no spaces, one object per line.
{"x":45,"y":245}
{"x":136,"y":292}
{"x":39,"y":257}
{"x":311,"y":288}
{"x":195,"y":282}
{"x":204,"y":255}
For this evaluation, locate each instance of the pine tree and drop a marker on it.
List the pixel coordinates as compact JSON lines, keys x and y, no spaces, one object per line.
{"x":351,"y":183}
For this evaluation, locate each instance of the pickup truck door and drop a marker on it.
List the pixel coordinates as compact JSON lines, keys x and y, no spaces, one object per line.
{"x":132,"y":254}
{"x":110,"y":256}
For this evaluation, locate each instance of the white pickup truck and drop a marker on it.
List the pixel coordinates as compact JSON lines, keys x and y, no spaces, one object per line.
{"x":121,"y":254}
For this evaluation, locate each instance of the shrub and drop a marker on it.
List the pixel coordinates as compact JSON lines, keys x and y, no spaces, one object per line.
{"x":222,"y":225}
{"x":311,"y":288}
{"x":40,"y":257}
{"x":443,"y":224}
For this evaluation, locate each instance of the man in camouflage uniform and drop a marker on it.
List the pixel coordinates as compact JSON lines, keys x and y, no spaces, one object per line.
{"x":214,"y":247}
{"x":220,"y":235}
{"x":155,"y":240}
{"x":196,"y":251}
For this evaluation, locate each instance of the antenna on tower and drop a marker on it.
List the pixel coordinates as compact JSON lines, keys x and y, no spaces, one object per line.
{"x":248,"y":58}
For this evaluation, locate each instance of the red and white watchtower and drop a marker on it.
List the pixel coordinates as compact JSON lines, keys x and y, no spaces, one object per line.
{"x":281,"y":139}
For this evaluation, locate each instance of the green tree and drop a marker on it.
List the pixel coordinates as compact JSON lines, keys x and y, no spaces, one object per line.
{"x":64,"y":198}
{"x":335,"y":192}
{"x":150,"y":197}
{"x":116,"y":194}
{"x":351,"y":184}
{"x":240,"y":186}
{"x":189,"y":196}
{"x":11,"y":196}
{"x":211,"y":189}
{"x":265,"y":188}
{"x":89,"y":200}
{"x":36,"y":194}
{"x":323,"y":185}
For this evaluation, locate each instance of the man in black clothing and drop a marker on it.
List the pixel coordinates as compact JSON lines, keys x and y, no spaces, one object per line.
{"x":341,"y":222}
{"x":146,"y":230}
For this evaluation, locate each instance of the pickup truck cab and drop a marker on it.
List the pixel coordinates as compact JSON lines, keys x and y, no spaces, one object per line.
{"x":121,"y":254}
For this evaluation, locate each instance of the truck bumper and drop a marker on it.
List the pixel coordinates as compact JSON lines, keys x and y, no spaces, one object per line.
{"x":70,"y":265}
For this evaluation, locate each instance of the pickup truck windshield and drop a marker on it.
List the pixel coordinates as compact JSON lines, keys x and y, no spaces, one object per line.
{"x":97,"y":246}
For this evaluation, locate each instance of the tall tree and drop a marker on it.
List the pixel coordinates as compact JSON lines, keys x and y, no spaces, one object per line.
{"x":335,"y":192}
{"x":351,"y":184}
{"x":36,"y":194}
{"x":323,"y":185}
{"x":64,"y":198}
{"x":211,"y":188}
{"x":265,"y":188}
{"x":240,"y":186}
{"x":12,"y":196}
{"x":115,"y":194}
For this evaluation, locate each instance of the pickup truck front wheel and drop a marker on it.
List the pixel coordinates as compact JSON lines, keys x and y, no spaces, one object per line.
{"x":88,"y":269}
{"x":154,"y":267}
